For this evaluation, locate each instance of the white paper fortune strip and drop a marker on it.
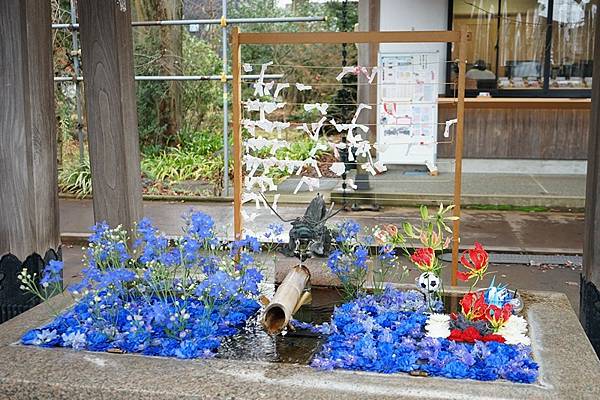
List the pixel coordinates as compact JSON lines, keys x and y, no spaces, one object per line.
{"x":338,"y":168}
{"x":361,"y":107}
{"x":253,"y":163}
{"x":311,"y":183}
{"x":314,"y":129}
{"x":251,"y":196}
{"x":350,"y":128}
{"x":448,"y":125}
{"x":371,"y":76}
{"x":247,"y":67}
{"x":311,"y":162}
{"x":356,"y":71}
{"x":266,"y":106}
{"x":259,"y":143}
{"x":379,"y":166}
{"x":264,"y":183}
{"x":279,"y":88}
{"x":322,"y":107}
{"x":345,"y":71}
{"x":350,"y":183}
{"x":302,"y":87}
{"x":259,"y":86}
{"x":317,"y":147}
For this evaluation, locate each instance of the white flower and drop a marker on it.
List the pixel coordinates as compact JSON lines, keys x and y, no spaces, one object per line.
{"x":76,"y":340}
{"x":45,"y":336}
{"x":514,"y":331}
{"x":438,"y":326}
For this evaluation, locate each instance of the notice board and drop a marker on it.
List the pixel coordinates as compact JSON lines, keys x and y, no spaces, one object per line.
{"x":407,"y":114}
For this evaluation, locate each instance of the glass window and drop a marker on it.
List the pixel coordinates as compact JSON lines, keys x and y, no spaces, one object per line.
{"x":509,"y":42}
{"x":521,"y":44}
{"x":572,"y":53}
{"x":480,"y":18}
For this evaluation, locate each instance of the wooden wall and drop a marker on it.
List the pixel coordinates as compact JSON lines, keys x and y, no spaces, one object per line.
{"x":546,"y":134}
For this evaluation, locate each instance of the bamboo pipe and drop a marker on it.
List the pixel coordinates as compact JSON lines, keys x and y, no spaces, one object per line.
{"x":290,"y":295}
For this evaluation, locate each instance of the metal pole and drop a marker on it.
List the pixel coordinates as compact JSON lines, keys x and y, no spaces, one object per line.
{"x":75,"y":55}
{"x":225,"y":111}
{"x":179,"y":77}
{"x":209,"y":22}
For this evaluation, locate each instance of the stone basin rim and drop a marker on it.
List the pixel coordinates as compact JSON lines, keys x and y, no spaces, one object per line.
{"x":251,"y":379}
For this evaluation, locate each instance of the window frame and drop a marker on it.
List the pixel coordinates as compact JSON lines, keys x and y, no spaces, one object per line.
{"x":545,"y":91}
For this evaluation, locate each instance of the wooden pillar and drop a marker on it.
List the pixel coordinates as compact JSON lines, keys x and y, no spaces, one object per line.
{"x":28,"y":177}
{"x":107,"y":55}
{"x":368,"y":21}
{"x":236,"y":108}
{"x":589,"y":303}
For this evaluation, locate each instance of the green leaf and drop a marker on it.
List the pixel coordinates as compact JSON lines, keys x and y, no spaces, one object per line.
{"x":424,"y":212}
{"x":408,"y":229}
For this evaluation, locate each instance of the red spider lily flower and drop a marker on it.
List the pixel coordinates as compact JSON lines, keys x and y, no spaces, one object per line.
{"x":424,"y":258}
{"x":475,"y":261}
{"x":474,"y":307}
{"x":497,"y":316}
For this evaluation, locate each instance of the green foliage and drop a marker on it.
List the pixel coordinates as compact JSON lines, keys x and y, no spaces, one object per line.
{"x":76,"y":178}
{"x":299,"y":149}
{"x":199,"y":158}
{"x":201,"y":101}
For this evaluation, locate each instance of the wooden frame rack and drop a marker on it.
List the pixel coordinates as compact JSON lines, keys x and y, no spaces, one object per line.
{"x":238,"y":39}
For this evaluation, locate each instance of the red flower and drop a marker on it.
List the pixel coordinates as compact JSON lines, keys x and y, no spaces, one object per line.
{"x":424,"y":258}
{"x":475,"y":261}
{"x":493,"y":338}
{"x":474,"y":306}
{"x":469,"y":335}
{"x":497,"y":316}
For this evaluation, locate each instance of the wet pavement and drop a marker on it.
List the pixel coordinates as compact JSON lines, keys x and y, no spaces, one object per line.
{"x":527,"y":232}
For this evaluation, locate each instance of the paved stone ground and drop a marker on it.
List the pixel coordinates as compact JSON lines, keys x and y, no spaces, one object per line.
{"x":400,"y":187}
{"x":542,"y":232}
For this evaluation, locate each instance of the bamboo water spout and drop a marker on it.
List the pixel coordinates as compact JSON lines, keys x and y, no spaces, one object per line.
{"x":289,"y":297}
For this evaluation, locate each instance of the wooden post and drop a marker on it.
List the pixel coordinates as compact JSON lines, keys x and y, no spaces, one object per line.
{"x":589,"y":299}
{"x":236,"y":86}
{"x":460,"y":115}
{"x":107,"y":54}
{"x":28,"y":171}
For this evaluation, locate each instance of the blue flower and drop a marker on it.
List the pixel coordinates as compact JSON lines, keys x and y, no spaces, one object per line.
{"x":347,"y":231}
{"x":76,"y":340}
{"x":385,"y":333}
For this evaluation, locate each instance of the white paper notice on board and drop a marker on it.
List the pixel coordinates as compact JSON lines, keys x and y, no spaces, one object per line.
{"x":407,"y":113}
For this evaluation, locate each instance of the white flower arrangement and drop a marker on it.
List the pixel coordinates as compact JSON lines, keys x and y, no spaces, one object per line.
{"x":515,"y":331}
{"x":438,"y":326}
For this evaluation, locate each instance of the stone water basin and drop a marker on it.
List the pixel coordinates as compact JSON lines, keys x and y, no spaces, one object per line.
{"x":264,"y":367}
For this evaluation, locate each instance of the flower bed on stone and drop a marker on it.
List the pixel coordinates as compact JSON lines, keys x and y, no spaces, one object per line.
{"x":392,"y":332}
{"x":176,"y":298}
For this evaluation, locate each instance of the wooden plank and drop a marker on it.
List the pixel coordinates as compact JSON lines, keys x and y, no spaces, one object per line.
{"x":28,"y":187}
{"x":460,"y":112}
{"x":544,"y":134}
{"x":107,"y":53}
{"x":236,"y":85}
{"x":519,"y":103}
{"x":348,"y":37}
